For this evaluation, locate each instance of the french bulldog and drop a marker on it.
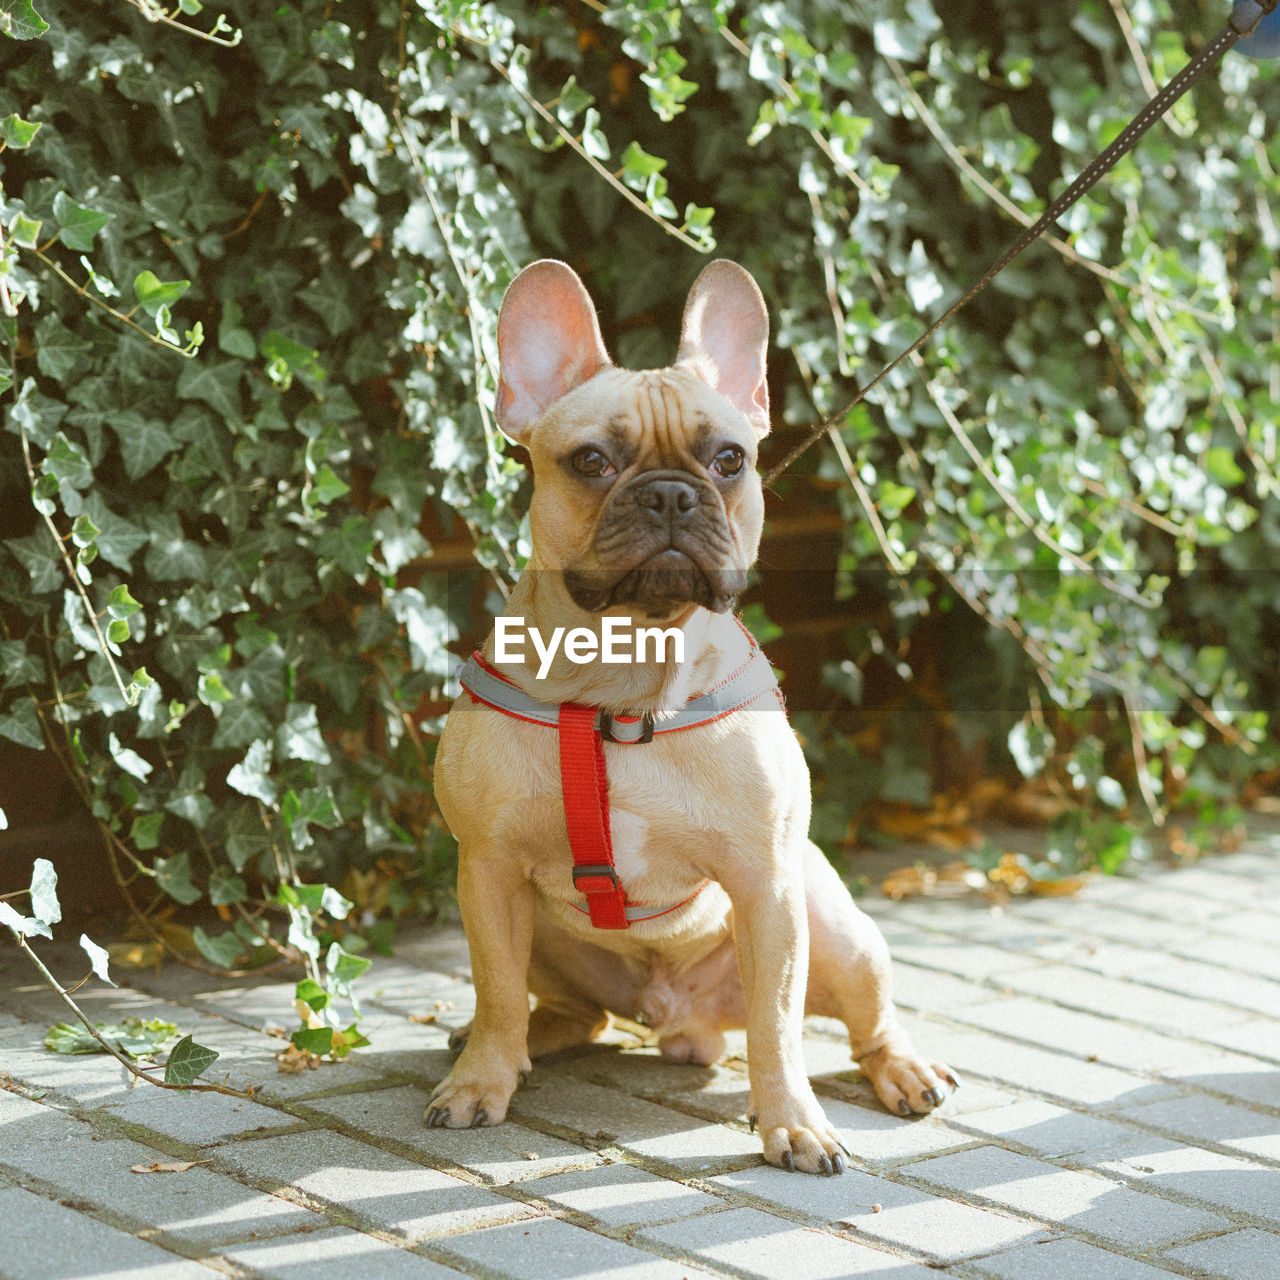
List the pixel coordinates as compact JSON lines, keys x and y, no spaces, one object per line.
{"x":647,"y":506}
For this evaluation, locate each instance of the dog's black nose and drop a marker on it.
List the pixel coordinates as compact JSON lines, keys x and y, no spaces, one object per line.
{"x":670,"y":499}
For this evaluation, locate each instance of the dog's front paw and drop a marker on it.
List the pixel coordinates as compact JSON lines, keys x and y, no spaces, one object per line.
{"x":905,"y":1083}
{"x":804,"y":1143}
{"x":463,"y":1100}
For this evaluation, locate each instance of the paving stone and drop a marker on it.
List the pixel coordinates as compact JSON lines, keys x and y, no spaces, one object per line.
{"x":57,"y":1242}
{"x":1106,"y":1039}
{"x":380,"y":1189}
{"x":561,"y":1251}
{"x":1241,"y":1255}
{"x":619,"y":1195}
{"x":721,"y":1091}
{"x":1200,"y":1118}
{"x":1258,"y":1036}
{"x":1081,"y":1201}
{"x":1068,"y":1079}
{"x":1047,"y":1129}
{"x":944,"y":1230}
{"x":1114,"y":997}
{"x":874,"y":1136}
{"x":609,"y":1115}
{"x":1060,"y":1259}
{"x":756,"y":1244}
{"x":349,"y":1253}
{"x":198,"y":1205}
{"x":509,"y":1152}
{"x":931,"y":991}
{"x":1236,"y":1186}
{"x":197,"y":1118}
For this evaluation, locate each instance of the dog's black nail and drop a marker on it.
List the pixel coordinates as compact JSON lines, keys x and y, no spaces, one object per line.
{"x":952,"y":1081}
{"x":436,"y":1117}
{"x":481,"y":1119}
{"x":524,"y":1075}
{"x":844,"y":1148}
{"x":904,"y":1107}
{"x":788,"y":1163}
{"x":837,"y":1163}
{"x":824,"y":1166}
{"x":752,"y":1120}
{"x":933,"y":1096}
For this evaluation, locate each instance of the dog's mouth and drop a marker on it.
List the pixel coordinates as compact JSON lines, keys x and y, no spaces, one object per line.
{"x":659,"y":585}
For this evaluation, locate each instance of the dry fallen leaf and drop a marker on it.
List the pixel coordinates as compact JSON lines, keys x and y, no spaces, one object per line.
{"x":294,"y":1061}
{"x":166,"y":1166}
{"x":423,"y":1019}
{"x":134,"y":955}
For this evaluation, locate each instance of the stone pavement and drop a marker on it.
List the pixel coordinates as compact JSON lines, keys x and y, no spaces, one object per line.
{"x":1119,"y":1120}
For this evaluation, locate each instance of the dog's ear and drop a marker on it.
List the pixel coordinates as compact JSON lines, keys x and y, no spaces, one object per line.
{"x":724,"y":338}
{"x":548,"y":343}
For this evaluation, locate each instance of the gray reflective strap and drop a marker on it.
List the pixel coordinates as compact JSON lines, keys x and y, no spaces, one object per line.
{"x":744,"y":687}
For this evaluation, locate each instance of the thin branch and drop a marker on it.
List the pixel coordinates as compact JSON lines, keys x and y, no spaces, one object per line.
{"x":993,"y":193}
{"x":153,"y":13}
{"x":1141,"y":766}
{"x":187,"y":353}
{"x":120,"y":1057}
{"x":575,"y":145}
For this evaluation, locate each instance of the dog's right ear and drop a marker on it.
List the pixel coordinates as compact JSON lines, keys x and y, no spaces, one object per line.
{"x":548,"y":343}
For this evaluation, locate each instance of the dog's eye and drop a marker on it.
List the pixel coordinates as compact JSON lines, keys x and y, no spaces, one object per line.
{"x":591,"y":462}
{"x":728,"y":462}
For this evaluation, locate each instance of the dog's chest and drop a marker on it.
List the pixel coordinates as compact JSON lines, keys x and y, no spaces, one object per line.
{"x":629,"y":833}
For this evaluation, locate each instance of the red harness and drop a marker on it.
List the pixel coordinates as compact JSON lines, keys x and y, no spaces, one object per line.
{"x":584,"y":779}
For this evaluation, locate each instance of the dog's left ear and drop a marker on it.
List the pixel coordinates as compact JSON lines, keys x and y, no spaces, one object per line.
{"x":724,"y":337}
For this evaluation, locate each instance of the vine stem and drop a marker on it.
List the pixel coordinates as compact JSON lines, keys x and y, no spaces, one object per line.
{"x":612,"y":179}
{"x":187,"y":353}
{"x":153,"y":13}
{"x":110,"y":1048}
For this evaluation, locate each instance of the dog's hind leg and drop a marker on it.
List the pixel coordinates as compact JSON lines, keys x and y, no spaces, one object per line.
{"x":850,"y":979}
{"x":554,"y":1026}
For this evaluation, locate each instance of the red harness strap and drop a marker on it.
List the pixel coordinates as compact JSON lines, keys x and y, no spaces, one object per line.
{"x":584,"y":783}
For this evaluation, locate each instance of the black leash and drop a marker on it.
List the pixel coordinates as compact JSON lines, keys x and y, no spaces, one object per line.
{"x":1244,"y":19}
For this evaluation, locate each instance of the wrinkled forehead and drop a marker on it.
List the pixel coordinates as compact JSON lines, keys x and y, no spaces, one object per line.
{"x":650,"y":416}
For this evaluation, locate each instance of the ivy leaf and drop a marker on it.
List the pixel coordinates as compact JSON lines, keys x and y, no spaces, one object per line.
{"x":15,"y":131}
{"x":77,"y":225}
{"x":144,"y":832}
{"x":25,"y":231}
{"x":22,"y":725}
{"x":153,"y":293}
{"x":224,"y":950}
{"x":44,"y":892}
{"x":188,"y":1061}
{"x":173,"y":875}
{"x":22,"y":925}
{"x":130,"y":761}
{"x":98,"y":958}
{"x":19,"y":19}
{"x":250,"y":776}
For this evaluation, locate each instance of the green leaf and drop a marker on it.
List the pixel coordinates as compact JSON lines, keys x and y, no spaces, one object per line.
{"x":22,"y":925}
{"x":225,"y":950}
{"x":121,"y":604}
{"x":130,"y":761}
{"x":251,"y":776}
{"x":173,"y":875}
{"x":134,"y":1037}
{"x":1221,"y":464}
{"x":98,"y":958}
{"x":312,"y":994}
{"x":143,"y":441}
{"x":22,"y":725}
{"x":299,"y":737}
{"x":44,"y":892}
{"x":19,"y":19}
{"x":317,"y":1040}
{"x":17,"y":132}
{"x":153,"y":293}
{"x":77,"y":225}
{"x":343,"y":967}
{"x":25,"y":231}
{"x":188,"y":1061}
{"x":144,"y":832}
